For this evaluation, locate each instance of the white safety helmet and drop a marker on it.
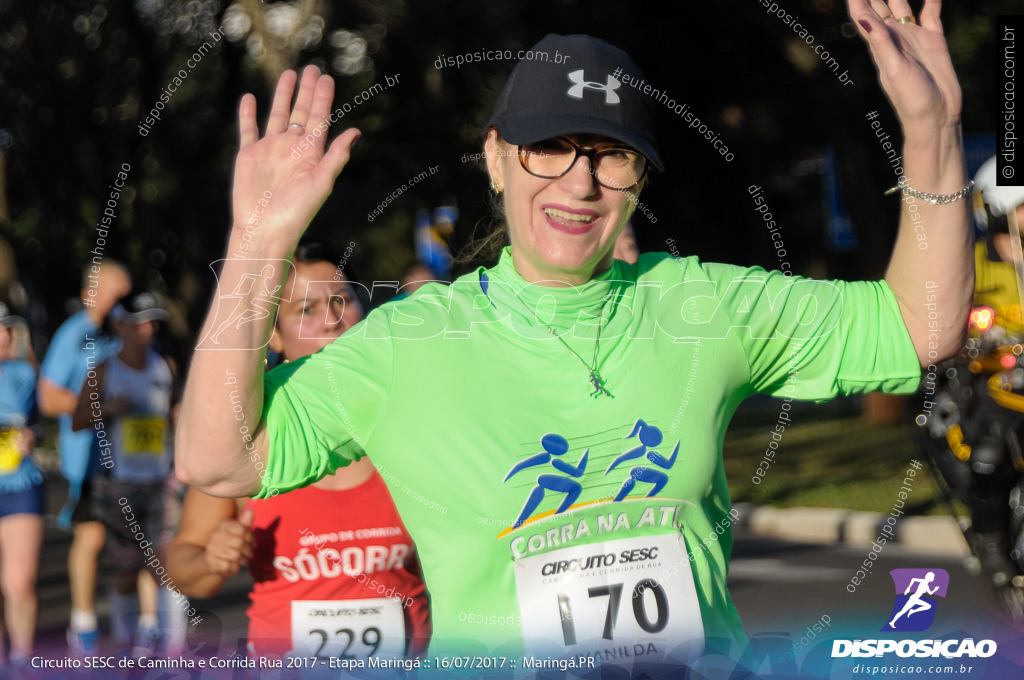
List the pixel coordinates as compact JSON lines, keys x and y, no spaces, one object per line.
{"x":994,"y":203}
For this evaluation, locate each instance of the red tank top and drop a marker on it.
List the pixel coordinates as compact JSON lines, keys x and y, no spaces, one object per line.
{"x":335,"y":575}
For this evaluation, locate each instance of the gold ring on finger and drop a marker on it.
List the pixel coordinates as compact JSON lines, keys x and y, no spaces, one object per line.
{"x":909,"y":19}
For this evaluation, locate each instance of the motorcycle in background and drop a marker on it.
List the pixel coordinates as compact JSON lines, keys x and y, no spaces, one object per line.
{"x":974,"y":430}
{"x":973,"y":440}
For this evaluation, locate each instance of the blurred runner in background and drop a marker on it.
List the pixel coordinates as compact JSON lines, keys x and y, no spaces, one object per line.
{"x":132,"y":395}
{"x":338,"y":545}
{"x":21,"y":490}
{"x":78,"y":346}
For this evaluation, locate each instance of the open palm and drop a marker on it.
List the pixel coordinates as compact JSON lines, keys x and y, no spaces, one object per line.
{"x":279,"y":184}
{"x":913,"y":61}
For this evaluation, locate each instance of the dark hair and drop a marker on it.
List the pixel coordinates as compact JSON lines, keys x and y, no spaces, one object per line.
{"x":312,"y":250}
{"x":486,"y":249}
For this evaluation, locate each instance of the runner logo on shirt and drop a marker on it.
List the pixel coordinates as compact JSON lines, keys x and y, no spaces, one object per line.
{"x":593,"y":545}
{"x":649,"y":437}
{"x":566,"y":477}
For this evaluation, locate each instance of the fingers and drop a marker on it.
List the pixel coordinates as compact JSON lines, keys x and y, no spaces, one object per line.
{"x":234,"y":535}
{"x":880,"y":8}
{"x":900,"y":8}
{"x":300,"y":114}
{"x":322,"y":97}
{"x":336,"y":157}
{"x":883,"y":49}
{"x":229,"y":549}
{"x":224,"y":567}
{"x":856,"y":8}
{"x":870,"y":19}
{"x":248,"y":132}
{"x":930,"y":16}
{"x":245,"y":519}
{"x":281,"y":108}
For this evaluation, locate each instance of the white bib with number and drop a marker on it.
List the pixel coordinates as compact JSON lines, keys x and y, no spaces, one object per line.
{"x":350,"y":629}
{"x":610,"y":600}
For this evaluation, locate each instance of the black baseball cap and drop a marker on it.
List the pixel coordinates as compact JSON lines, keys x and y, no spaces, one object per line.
{"x":578,"y":93}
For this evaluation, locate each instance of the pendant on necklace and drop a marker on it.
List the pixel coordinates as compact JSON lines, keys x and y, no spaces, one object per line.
{"x":598,"y":383}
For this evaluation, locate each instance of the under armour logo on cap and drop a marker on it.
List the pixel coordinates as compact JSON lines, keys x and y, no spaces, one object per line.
{"x":576,"y":91}
{"x":537,"y":102}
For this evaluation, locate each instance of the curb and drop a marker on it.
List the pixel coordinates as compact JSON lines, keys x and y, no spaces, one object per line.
{"x":924,"y":535}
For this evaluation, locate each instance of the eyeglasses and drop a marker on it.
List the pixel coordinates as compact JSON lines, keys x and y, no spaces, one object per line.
{"x":614,"y":167}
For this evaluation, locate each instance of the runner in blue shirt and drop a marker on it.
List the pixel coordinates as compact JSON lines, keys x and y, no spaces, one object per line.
{"x":21,"y":489}
{"x":78,"y":346}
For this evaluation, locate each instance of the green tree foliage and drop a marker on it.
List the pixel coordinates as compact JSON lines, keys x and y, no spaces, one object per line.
{"x":78,"y":77}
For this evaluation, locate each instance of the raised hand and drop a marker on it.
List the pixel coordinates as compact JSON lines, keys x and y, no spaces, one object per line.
{"x":230,"y":545}
{"x":913,"y":61}
{"x":277,"y":190}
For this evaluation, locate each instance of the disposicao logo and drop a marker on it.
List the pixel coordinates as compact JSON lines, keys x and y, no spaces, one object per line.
{"x":916,"y":590}
{"x":914,"y":611}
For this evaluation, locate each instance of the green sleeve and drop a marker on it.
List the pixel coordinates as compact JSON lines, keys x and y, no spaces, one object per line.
{"x":810,"y":339}
{"x":320,"y":411}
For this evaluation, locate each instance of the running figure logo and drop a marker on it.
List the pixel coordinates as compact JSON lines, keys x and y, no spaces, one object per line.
{"x":649,"y":437}
{"x":914,"y":609}
{"x":554,"y":445}
{"x":650,"y":467}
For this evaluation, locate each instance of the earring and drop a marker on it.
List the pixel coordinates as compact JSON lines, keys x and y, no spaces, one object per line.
{"x":495,"y":188}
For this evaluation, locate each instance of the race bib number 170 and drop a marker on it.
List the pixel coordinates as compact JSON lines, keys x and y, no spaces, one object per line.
{"x":610,"y":599}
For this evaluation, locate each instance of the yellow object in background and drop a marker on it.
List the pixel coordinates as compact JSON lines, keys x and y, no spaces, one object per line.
{"x":144,"y":435}
{"x":996,"y":286}
{"x":10,"y":454}
{"x":955,"y":438}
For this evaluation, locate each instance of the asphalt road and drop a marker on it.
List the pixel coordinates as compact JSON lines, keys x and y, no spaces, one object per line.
{"x":224,"y":615}
{"x":781,"y":585}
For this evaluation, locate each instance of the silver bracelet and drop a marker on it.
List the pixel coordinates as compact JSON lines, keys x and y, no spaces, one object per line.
{"x":934,"y":199}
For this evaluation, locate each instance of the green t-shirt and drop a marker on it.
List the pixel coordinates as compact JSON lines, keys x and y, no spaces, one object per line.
{"x":479,"y":417}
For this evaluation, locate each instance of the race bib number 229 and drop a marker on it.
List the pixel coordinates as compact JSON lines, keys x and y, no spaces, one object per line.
{"x":349,"y":629}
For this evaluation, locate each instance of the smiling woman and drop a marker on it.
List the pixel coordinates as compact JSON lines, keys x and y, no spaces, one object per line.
{"x":562,"y":228}
{"x":565,"y":205}
{"x":569,"y":438}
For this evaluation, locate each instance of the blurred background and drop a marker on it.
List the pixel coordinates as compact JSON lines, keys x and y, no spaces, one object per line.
{"x":79,"y":78}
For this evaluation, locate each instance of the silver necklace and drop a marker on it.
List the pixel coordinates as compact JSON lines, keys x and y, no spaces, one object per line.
{"x":596,"y":381}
